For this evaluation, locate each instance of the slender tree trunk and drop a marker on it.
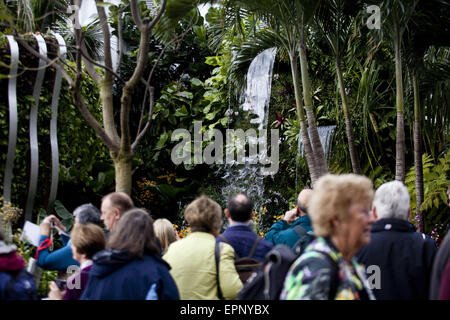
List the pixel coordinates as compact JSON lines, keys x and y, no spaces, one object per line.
{"x":123,"y":170}
{"x":400,"y":135}
{"x":348,"y":125}
{"x":418,"y":150}
{"x":313,"y":170}
{"x":319,"y":155}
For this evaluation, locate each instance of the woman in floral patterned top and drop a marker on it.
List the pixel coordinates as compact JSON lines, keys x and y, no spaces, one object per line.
{"x":341,"y":217}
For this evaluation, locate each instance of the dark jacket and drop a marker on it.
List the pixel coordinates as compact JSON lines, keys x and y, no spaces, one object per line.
{"x":444,"y":288}
{"x":242,"y":238}
{"x":74,"y":292}
{"x":404,"y":258}
{"x":440,"y":261}
{"x":15,"y":282}
{"x":117,"y":275}
{"x":283,"y":233}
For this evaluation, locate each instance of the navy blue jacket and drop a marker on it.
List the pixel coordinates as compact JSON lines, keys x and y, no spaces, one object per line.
{"x":405,"y":259}
{"x":283,"y":233}
{"x":242,"y":238}
{"x":117,"y":275}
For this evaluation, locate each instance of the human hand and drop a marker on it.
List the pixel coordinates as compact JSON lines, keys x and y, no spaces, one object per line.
{"x":55,"y":293}
{"x":56,"y":221}
{"x":291,"y":215}
{"x":45,"y":227}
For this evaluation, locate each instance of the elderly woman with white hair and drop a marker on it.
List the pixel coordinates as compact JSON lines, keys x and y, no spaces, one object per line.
{"x":341,"y":219}
{"x":402,"y":256}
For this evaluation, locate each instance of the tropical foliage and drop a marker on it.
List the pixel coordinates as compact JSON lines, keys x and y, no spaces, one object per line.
{"x":386,"y":91}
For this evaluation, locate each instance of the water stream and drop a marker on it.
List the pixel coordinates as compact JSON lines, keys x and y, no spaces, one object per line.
{"x":252,"y":113}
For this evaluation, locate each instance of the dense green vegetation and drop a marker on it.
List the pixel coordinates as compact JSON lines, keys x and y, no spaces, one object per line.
{"x":202,"y":75}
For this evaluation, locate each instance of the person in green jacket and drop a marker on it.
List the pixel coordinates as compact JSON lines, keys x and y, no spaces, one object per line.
{"x":285,"y":231}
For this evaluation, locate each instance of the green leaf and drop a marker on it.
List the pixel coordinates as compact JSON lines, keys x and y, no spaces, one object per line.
{"x":206,"y":109}
{"x":162,"y":141}
{"x":181,"y":112}
{"x":61,"y":211}
{"x":196,"y":82}
{"x":185,"y":94}
{"x":211,"y":115}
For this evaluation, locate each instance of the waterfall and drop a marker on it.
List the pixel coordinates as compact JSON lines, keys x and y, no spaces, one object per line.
{"x":246,"y":177}
{"x":325,"y":135}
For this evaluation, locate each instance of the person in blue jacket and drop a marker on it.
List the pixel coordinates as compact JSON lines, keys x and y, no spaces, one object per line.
{"x":131,"y":268}
{"x":285,"y":231}
{"x":62,"y":258}
{"x":239,"y":234}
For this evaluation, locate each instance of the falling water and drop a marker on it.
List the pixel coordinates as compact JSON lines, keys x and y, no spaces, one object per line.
{"x":325,"y":135}
{"x":247,"y":177}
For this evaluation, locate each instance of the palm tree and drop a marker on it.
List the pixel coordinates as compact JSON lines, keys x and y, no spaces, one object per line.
{"x":284,"y":26}
{"x":335,"y":21}
{"x":397,"y":15}
{"x":424,"y":31}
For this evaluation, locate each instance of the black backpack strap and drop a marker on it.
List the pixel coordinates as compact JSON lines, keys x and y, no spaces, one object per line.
{"x":299,"y":230}
{"x":222,"y":237}
{"x":334,"y":276}
{"x":217,"y":257}
{"x":253,"y":249}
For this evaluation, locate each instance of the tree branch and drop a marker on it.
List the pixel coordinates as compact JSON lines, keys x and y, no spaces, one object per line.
{"x":136,"y":15}
{"x":120,"y":38}
{"x":106,"y":38}
{"x":158,"y":16}
{"x":107,"y":81}
{"x":147,"y":125}
{"x":79,"y":101}
{"x":81,"y":105}
{"x":88,"y":62}
{"x":147,"y":84}
{"x":92,"y":62}
{"x":48,"y":60}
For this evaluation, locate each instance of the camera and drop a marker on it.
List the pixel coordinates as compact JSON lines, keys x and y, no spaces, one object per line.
{"x":62,"y":284}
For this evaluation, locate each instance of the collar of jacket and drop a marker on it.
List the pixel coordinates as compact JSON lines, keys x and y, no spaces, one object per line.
{"x":391,"y":224}
{"x":302,"y":220}
{"x":201,"y":235}
{"x":239,"y":227}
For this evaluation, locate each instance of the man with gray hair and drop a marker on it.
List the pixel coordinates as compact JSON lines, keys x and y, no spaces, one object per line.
{"x":399,"y":256}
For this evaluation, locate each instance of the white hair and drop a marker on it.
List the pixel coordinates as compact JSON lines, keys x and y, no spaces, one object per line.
{"x":392,"y":200}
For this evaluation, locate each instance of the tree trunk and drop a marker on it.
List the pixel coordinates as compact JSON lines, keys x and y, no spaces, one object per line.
{"x":400,"y":135}
{"x":418,"y":166}
{"x":319,"y":155}
{"x":348,"y":125}
{"x":309,"y":155}
{"x":122,"y":166}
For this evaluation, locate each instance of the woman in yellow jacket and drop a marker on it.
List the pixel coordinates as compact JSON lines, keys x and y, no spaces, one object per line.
{"x":192,"y":259}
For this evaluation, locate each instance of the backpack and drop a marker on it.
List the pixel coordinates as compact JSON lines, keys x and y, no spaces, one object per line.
{"x":21,"y":286}
{"x":268,"y":281}
{"x":305,"y":238}
{"x":245,"y":266}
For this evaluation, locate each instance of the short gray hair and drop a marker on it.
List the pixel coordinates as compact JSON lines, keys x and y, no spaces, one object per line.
{"x":87,"y":213}
{"x":392,"y":200}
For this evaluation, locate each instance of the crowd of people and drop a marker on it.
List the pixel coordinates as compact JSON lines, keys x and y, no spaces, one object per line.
{"x":351,"y":243}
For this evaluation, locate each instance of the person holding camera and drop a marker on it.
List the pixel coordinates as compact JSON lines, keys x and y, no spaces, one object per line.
{"x":62,"y":258}
{"x":294,"y":224}
{"x":87,"y":240}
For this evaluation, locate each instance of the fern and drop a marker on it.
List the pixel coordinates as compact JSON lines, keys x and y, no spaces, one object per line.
{"x":436,"y":180}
